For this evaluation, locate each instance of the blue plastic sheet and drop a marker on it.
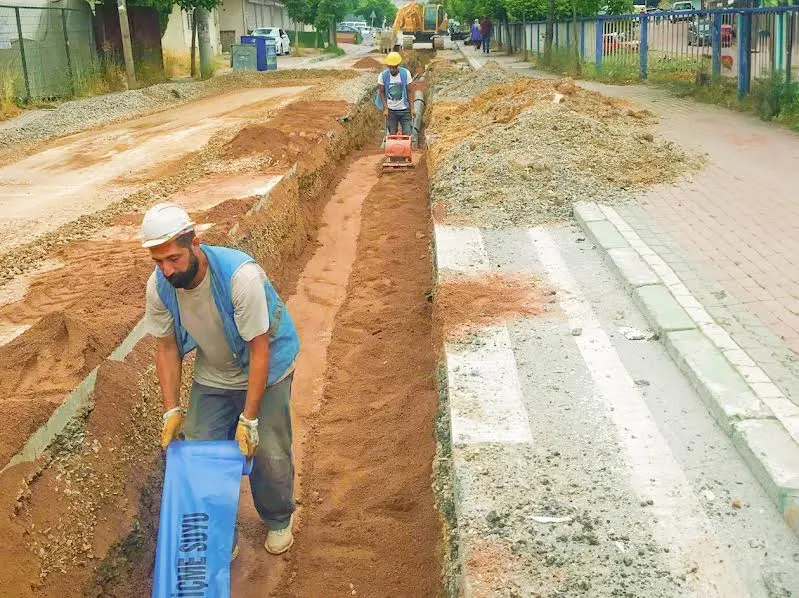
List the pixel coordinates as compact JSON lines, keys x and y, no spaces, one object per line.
{"x":198,"y":519}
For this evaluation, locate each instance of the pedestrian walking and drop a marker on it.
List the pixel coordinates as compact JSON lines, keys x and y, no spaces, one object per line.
{"x":486,"y":28}
{"x":220,"y":302}
{"x":476,"y":37}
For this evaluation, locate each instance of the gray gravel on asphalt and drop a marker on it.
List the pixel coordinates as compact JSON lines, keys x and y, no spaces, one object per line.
{"x":575,"y":467}
{"x":524,"y":160}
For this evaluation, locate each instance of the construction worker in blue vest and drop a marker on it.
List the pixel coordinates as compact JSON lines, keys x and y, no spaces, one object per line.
{"x":395,"y":88}
{"x":220,"y":302}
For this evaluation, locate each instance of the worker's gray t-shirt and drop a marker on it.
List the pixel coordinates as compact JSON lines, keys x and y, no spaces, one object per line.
{"x":215,"y":365}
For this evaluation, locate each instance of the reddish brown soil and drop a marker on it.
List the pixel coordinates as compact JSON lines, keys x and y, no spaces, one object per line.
{"x":293,"y":131}
{"x":319,"y":294}
{"x":477,"y":301}
{"x":79,"y":313}
{"x":62,"y":518}
{"x":368,"y":63}
{"x":69,"y":511}
{"x":369,"y":522}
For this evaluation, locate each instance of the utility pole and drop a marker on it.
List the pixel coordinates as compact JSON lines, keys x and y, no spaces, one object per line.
{"x":204,"y":43}
{"x":127,"y":51}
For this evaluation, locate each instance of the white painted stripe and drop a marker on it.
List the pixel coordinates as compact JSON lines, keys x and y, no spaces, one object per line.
{"x":760,"y":383}
{"x":654,"y":473}
{"x":460,"y":250}
{"x":485,"y":395}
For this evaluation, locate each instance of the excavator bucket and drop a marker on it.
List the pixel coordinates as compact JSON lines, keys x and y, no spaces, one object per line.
{"x":398,"y":152}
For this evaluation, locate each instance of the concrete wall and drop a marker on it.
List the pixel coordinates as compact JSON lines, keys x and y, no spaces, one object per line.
{"x":178,"y":31}
{"x":240,"y":17}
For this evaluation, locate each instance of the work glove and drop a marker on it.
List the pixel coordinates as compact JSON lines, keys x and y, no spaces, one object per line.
{"x":173,"y":422}
{"x":247,"y":435}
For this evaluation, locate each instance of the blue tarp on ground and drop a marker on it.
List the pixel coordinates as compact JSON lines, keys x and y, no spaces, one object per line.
{"x":198,"y":519}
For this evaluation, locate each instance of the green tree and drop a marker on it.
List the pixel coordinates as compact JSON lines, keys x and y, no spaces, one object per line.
{"x":328,"y":13}
{"x":463,"y":10}
{"x":191,"y":6}
{"x":162,"y":7}
{"x":300,"y":11}
{"x":619,"y":7}
{"x":524,"y":11}
{"x":498,"y":12}
{"x":382,"y":9}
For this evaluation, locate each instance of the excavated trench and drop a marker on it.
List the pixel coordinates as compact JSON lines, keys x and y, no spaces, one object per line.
{"x":349,"y":250}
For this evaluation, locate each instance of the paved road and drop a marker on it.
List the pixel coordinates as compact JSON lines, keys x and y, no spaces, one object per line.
{"x":582,"y":423}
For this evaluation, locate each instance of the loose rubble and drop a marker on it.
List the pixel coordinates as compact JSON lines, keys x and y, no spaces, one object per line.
{"x":459,"y":85}
{"x":540,"y":156}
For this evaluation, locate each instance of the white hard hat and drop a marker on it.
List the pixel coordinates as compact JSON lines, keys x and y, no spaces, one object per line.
{"x":163,"y":222}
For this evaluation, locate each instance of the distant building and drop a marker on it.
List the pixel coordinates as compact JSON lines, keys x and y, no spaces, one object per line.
{"x":178,"y":30}
{"x":231,"y":20}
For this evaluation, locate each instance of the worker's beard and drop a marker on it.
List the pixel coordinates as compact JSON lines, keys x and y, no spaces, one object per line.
{"x":182,"y":280}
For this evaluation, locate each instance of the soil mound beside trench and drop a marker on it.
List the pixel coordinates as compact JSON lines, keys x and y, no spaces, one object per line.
{"x":543,"y":143}
{"x":368,"y":63}
{"x":292,"y":132}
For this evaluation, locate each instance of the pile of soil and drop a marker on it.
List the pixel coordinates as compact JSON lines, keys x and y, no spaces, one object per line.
{"x":464,"y":302}
{"x":79,"y":313}
{"x":368,"y":63}
{"x":291,"y":133}
{"x":544,"y":144}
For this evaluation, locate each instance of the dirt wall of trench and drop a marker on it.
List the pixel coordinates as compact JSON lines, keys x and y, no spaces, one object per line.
{"x":82,"y":519}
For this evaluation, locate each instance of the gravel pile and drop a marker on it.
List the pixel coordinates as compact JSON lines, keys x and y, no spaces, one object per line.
{"x":77,"y":115}
{"x":350,"y":90}
{"x":540,"y":156}
{"x":461,"y":84}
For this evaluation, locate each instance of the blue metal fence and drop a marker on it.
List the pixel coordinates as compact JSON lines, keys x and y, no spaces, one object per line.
{"x":740,"y":43}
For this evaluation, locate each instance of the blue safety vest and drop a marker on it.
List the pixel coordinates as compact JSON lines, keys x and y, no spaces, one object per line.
{"x":223,"y":263}
{"x":386,"y":77}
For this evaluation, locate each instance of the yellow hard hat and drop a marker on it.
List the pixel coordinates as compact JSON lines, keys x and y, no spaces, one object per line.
{"x":393,"y":59}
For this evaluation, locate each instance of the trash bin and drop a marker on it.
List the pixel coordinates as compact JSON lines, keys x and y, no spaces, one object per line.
{"x":243,"y":57}
{"x":271,"y":54}
{"x":260,"y":49}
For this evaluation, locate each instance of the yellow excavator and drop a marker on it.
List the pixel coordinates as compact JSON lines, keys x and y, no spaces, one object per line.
{"x":422,"y":21}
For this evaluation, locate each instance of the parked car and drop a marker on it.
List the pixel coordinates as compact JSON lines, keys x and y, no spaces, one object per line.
{"x":282,"y":41}
{"x":700,"y":33}
{"x":684,"y":7}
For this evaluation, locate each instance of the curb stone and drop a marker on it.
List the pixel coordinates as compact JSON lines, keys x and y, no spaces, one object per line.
{"x":762,"y":439}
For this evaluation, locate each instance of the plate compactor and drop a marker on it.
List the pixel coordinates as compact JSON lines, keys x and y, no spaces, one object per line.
{"x":398,"y":152}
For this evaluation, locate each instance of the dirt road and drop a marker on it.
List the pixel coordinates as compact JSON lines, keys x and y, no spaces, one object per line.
{"x":88,"y":171}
